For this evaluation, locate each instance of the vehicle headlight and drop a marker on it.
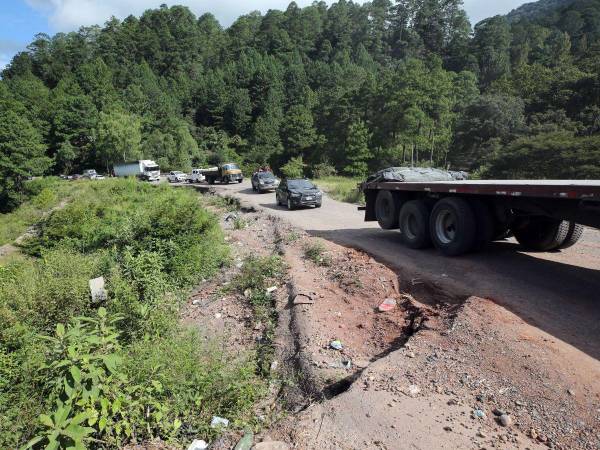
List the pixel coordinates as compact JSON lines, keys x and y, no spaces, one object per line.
{"x":295,"y":194}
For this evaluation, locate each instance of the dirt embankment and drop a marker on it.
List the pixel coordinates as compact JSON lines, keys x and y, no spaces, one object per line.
{"x":436,"y":371}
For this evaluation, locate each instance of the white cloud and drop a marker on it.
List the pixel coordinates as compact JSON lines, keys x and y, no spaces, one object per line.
{"x":8,"y":49}
{"x":68,"y":15}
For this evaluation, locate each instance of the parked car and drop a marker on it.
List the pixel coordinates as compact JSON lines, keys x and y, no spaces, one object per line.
{"x":264,"y":181}
{"x":176,"y":176}
{"x":298,"y":192}
{"x":90,"y":173}
{"x":196,"y":176}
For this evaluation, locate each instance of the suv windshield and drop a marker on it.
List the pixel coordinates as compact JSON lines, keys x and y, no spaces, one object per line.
{"x":300,"y":184}
{"x":230,"y":167}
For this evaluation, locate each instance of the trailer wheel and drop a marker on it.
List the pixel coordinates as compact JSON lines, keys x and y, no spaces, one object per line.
{"x":542,"y":233}
{"x":414,"y":224}
{"x":452,"y":226}
{"x":485,"y":227}
{"x":573,"y":235}
{"x":386,"y":210}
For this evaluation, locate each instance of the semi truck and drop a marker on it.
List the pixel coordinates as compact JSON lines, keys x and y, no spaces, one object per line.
{"x":224,"y":173}
{"x":460,"y":216}
{"x":144,"y":169}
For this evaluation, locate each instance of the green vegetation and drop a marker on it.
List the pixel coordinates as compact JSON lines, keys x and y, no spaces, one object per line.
{"x":315,"y":251}
{"x":350,"y":87}
{"x":42,"y":194}
{"x":74,"y":373}
{"x":343,"y":189}
{"x":256,"y":276}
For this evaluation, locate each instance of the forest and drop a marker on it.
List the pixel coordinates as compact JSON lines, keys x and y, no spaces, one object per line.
{"x":344,"y":88}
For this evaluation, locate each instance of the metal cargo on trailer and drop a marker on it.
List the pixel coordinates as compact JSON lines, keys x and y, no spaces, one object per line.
{"x":144,"y":169}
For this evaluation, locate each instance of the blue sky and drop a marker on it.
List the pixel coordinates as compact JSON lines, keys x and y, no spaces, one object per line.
{"x":21,"y":20}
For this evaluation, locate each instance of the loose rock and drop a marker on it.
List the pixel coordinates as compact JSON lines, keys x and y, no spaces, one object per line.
{"x":505,"y":420}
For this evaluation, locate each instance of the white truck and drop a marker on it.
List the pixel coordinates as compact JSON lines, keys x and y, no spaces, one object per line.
{"x":144,"y":169}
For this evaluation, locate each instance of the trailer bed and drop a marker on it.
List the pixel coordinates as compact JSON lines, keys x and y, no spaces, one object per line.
{"x":566,"y":189}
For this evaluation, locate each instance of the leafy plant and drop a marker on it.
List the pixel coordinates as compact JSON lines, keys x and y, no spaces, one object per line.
{"x":315,"y":251}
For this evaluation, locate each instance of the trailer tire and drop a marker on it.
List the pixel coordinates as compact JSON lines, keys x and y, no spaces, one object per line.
{"x":542,"y":234}
{"x":453,"y":226}
{"x":386,"y":210}
{"x":573,"y":235}
{"x":485,"y":228}
{"x":414,"y":224}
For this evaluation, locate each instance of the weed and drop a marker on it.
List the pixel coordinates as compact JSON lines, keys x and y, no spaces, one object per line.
{"x":239,"y":223}
{"x":315,"y":252}
{"x":343,"y":189}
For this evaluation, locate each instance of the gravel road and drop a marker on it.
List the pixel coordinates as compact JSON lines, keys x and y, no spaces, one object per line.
{"x":555,"y":292}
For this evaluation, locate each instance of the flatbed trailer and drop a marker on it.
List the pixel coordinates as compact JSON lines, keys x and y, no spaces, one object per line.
{"x":461,"y":216}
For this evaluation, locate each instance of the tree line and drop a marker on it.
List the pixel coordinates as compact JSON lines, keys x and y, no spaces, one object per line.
{"x":347,"y":87}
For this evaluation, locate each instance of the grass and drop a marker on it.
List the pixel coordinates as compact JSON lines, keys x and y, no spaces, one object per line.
{"x":44,"y":194}
{"x":343,"y":189}
{"x":315,"y":251}
{"x":150,"y":377}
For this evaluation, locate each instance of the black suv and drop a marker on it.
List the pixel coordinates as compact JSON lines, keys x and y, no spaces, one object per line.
{"x":298,"y":192}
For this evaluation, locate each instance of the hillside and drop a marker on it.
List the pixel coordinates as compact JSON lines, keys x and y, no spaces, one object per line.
{"x":535,"y":10}
{"x":348,"y":88}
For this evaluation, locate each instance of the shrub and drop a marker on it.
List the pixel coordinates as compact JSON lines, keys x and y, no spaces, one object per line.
{"x":294,"y":168}
{"x":315,"y":251}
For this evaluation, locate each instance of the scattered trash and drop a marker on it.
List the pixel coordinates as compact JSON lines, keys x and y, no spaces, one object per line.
{"x":413,"y":390}
{"x":505,"y":420}
{"x":571,"y":392}
{"x":230,"y":216}
{"x":218,"y":315}
{"x":97,"y":290}
{"x":481,"y":434}
{"x":271,"y":289}
{"x":196,"y":302}
{"x":198,"y":444}
{"x":303,"y":299}
{"x":245,"y":443}
{"x":239,"y":265}
{"x":347,"y":364}
{"x":478,"y":414}
{"x":411,"y":354}
{"x":336,"y":345}
{"x":219,"y":422}
{"x":247,"y":292}
{"x":387,"y":305}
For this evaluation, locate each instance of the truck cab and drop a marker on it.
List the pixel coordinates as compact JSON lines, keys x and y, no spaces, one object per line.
{"x":225,"y":173}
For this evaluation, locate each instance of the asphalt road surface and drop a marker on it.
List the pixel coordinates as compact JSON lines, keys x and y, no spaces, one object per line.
{"x":558,"y":292}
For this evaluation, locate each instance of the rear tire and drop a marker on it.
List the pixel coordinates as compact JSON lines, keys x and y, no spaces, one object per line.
{"x":573,"y":235}
{"x":414,"y":224}
{"x":452,"y":226}
{"x":386,"y":210}
{"x":542,"y":234}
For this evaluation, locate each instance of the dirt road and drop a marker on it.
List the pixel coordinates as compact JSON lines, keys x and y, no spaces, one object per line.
{"x":506,"y":329}
{"x":556,"y":292}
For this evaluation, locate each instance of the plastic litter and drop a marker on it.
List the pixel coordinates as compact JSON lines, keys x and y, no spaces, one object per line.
{"x":336,"y":345}
{"x":245,"y":443}
{"x":219,"y":422}
{"x":198,"y":444}
{"x":387,"y":305}
{"x":97,"y":290}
